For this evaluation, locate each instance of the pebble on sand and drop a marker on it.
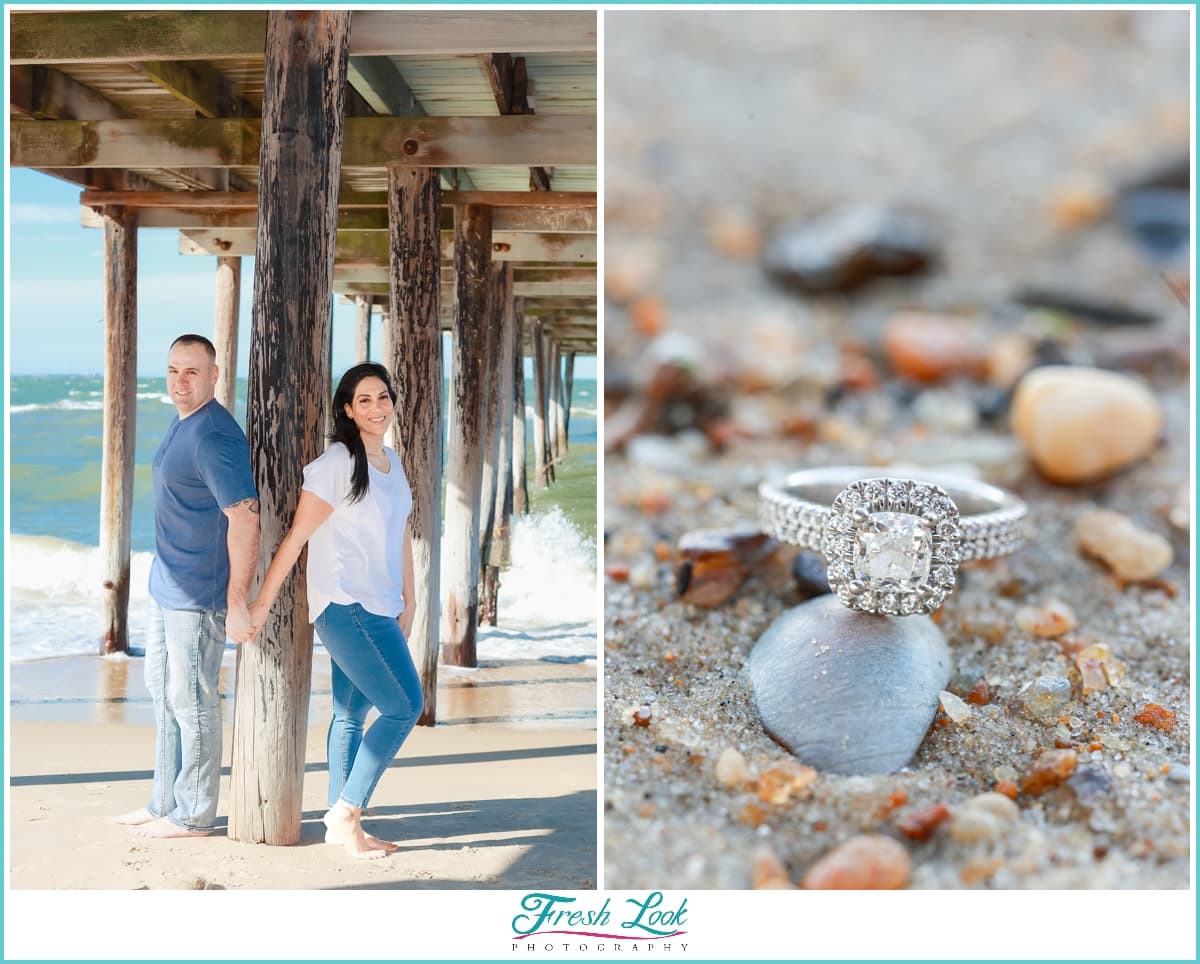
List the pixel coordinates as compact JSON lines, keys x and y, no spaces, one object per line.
{"x":1098,"y":669}
{"x":930,"y":347}
{"x":953,"y":707}
{"x":731,"y":769}
{"x":715,"y":562}
{"x":1049,"y":770}
{"x":866,"y":862}
{"x":1133,"y":554}
{"x":1082,"y":424}
{"x":1049,"y":620}
{"x":769,"y":872}
{"x":1045,"y":696}
{"x":983,"y":818}
{"x":785,"y":780}
{"x":921,"y":823}
{"x":1153,"y":714}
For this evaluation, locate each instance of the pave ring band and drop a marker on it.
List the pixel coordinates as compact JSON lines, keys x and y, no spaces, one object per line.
{"x":892,"y":545}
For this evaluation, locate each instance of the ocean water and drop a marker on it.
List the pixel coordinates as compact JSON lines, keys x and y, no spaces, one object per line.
{"x":53,"y":558}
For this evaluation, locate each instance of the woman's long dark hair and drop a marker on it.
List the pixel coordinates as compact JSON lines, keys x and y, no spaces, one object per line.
{"x":344,"y":429}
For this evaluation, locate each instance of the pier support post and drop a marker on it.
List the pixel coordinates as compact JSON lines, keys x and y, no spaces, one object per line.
{"x":414,"y":274}
{"x":497,"y":498}
{"x":120,"y":417}
{"x":299,"y":168}
{"x":464,"y":470}
{"x":541,"y":468}
{"x":362,"y":329}
{"x":225,"y":328}
{"x":520,"y":483}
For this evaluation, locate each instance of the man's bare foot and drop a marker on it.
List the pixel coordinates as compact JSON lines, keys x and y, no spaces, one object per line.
{"x":372,"y":841}
{"x":134,"y":817}
{"x":344,"y":823}
{"x":162,"y":827}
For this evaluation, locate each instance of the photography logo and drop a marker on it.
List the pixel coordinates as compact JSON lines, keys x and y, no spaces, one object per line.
{"x":552,"y":922}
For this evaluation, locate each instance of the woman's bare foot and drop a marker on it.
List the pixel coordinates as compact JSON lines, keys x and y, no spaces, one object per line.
{"x":345,"y":824}
{"x":162,"y":827}
{"x":134,"y":817}
{"x":372,"y":841}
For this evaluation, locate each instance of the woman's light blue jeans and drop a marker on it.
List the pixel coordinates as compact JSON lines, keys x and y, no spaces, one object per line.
{"x":183,"y":663}
{"x":371,"y":667}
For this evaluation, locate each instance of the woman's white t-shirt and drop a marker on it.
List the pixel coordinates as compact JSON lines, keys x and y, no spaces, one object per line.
{"x":357,"y":554}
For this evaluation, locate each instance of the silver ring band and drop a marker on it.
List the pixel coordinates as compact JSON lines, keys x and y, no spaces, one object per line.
{"x":892,"y":544}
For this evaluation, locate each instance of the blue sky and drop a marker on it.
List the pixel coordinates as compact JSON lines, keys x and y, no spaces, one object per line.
{"x":56,"y":290}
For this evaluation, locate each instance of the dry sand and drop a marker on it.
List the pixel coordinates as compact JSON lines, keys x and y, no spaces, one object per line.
{"x":501,"y":794}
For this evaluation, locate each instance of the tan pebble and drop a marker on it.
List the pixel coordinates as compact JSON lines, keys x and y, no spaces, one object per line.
{"x":1082,"y":424}
{"x":977,"y":871}
{"x":1131,"y":553}
{"x":1009,"y":356}
{"x":1053,"y":618}
{"x":868,"y":862}
{"x":1098,"y":668}
{"x":997,"y":804}
{"x":734,"y":234}
{"x":930,"y":347}
{"x":769,"y":872}
{"x":786,"y":780}
{"x":641,"y":576}
{"x":973,"y":826}
{"x":731,"y":769}
{"x":1079,"y":202}
{"x":953,"y":707}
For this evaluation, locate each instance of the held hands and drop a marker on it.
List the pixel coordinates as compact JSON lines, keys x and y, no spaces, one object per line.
{"x":259,"y":611}
{"x":238,"y":624}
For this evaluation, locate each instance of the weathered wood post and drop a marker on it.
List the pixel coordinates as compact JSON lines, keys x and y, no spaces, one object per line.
{"x":540,"y":466}
{"x":299,"y":167}
{"x":414,"y":275}
{"x":568,"y":390}
{"x":120,"y":418}
{"x":559,"y":441}
{"x":464,"y":469}
{"x":493,"y":545}
{"x":520,"y":485}
{"x":225,"y":328}
{"x":548,"y":404}
{"x":362,"y":329}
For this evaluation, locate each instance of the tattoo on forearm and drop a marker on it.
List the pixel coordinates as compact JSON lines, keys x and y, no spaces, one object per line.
{"x":251,"y":504}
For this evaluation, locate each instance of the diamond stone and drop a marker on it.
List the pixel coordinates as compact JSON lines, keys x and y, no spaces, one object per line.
{"x":893,"y":551}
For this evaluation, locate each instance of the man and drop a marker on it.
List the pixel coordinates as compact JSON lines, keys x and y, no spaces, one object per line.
{"x":206,"y":546}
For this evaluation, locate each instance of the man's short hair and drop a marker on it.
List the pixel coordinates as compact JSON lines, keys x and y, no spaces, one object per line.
{"x":197,"y":340}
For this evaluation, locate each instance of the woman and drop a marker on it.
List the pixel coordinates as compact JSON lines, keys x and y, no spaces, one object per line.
{"x":353,"y":512}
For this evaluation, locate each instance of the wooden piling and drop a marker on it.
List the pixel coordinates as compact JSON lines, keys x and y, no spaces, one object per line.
{"x":568,"y":391}
{"x":497,"y":497}
{"x":362,"y":329}
{"x":120,"y":423}
{"x":540,"y":465}
{"x":559,"y":443}
{"x":299,"y":169}
{"x":414,"y":268}
{"x":225,"y":328}
{"x":520,"y":483}
{"x":464,"y":469}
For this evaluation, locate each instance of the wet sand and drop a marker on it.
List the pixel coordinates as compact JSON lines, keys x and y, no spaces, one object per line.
{"x":501,"y":794}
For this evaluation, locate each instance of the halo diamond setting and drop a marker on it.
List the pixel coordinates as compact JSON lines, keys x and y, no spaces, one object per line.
{"x":892,"y":546}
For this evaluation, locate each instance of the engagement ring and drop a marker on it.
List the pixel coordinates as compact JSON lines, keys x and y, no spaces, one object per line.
{"x":892,"y":545}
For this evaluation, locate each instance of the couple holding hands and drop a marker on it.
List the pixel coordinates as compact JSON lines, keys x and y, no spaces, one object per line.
{"x":353,"y":514}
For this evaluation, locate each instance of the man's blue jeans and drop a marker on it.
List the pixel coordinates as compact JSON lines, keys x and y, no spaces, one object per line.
{"x":371,"y":667}
{"x":183,"y":662}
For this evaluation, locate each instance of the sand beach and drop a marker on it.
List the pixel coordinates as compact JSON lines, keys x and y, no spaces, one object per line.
{"x":501,"y":794}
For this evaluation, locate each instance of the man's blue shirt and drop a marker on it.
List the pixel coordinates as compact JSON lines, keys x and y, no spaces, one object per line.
{"x":201,"y":468}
